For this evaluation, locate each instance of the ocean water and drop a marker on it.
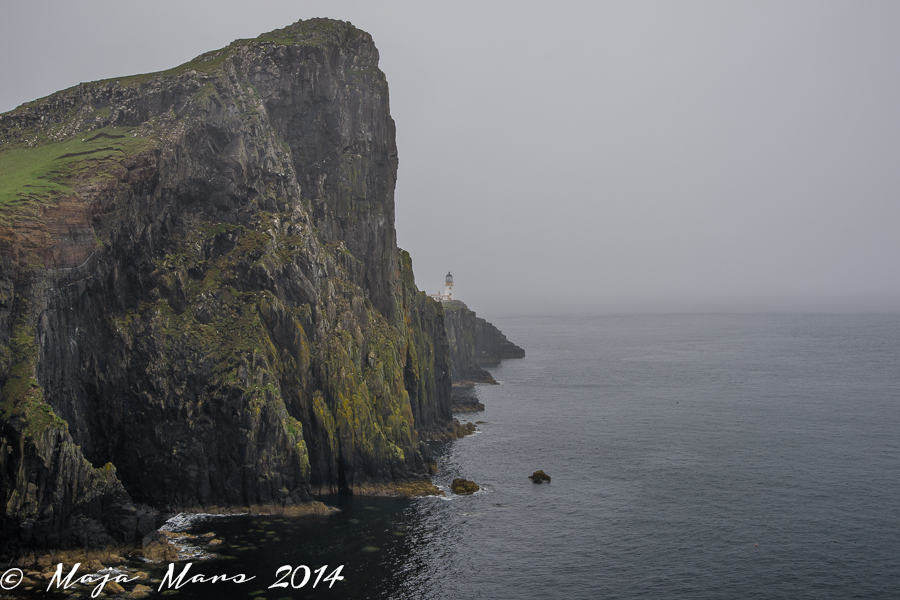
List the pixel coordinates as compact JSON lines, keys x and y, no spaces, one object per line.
{"x":692,"y":456}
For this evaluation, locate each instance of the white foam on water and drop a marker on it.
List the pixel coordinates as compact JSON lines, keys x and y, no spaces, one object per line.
{"x":183,"y":521}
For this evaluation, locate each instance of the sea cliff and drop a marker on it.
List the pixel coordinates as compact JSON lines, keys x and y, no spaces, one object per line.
{"x":491,"y":346}
{"x":462,"y":328}
{"x":202,"y":302}
{"x":473,"y":342}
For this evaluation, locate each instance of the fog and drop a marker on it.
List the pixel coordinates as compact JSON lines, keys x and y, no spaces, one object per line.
{"x":593,"y":157}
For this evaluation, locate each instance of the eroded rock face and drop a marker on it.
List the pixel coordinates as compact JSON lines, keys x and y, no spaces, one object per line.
{"x":208,"y":297}
{"x":461,"y":327}
{"x":473,"y":342}
{"x":491,"y":346}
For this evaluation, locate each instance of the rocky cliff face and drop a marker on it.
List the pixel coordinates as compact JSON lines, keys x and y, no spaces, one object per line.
{"x":461,"y":328}
{"x":491,"y":346}
{"x":473,"y":342}
{"x":202,"y":304}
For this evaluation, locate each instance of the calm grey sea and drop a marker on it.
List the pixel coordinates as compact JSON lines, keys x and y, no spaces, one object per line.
{"x":700,"y":456}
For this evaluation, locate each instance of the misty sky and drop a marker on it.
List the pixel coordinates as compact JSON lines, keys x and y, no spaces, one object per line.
{"x":604,"y":156}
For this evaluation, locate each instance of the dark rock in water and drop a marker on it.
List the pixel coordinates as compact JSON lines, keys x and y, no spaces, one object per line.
{"x":539,"y":477}
{"x":206,"y":308}
{"x":408,"y":489}
{"x":464,"y":429}
{"x":451,"y":432}
{"x":464,"y":486}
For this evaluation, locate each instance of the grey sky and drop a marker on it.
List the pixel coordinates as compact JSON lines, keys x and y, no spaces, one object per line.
{"x":608,"y":156}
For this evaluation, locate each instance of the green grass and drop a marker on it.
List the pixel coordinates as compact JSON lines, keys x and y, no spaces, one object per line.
{"x":311,"y":34}
{"x":51,"y":170}
{"x":205,"y":63}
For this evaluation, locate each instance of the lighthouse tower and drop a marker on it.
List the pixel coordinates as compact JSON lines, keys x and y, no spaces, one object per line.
{"x":448,"y":286}
{"x":447,"y":295}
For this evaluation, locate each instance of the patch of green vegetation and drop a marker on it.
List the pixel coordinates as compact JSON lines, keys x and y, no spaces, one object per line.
{"x":253,"y":242}
{"x":295,"y":429}
{"x":227,"y":325}
{"x":350,"y":374}
{"x":293,"y":426}
{"x":305,"y":33}
{"x":211,"y":230}
{"x":366,"y":407}
{"x":312,"y":32}
{"x":50,"y":170}
{"x":21,"y":395}
{"x":206,"y":92}
{"x":207,"y":62}
{"x":276,"y":38}
{"x":406,"y":268}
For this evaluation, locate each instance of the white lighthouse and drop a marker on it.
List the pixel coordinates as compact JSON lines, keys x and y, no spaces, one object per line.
{"x":448,"y":286}
{"x":447,"y":295}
